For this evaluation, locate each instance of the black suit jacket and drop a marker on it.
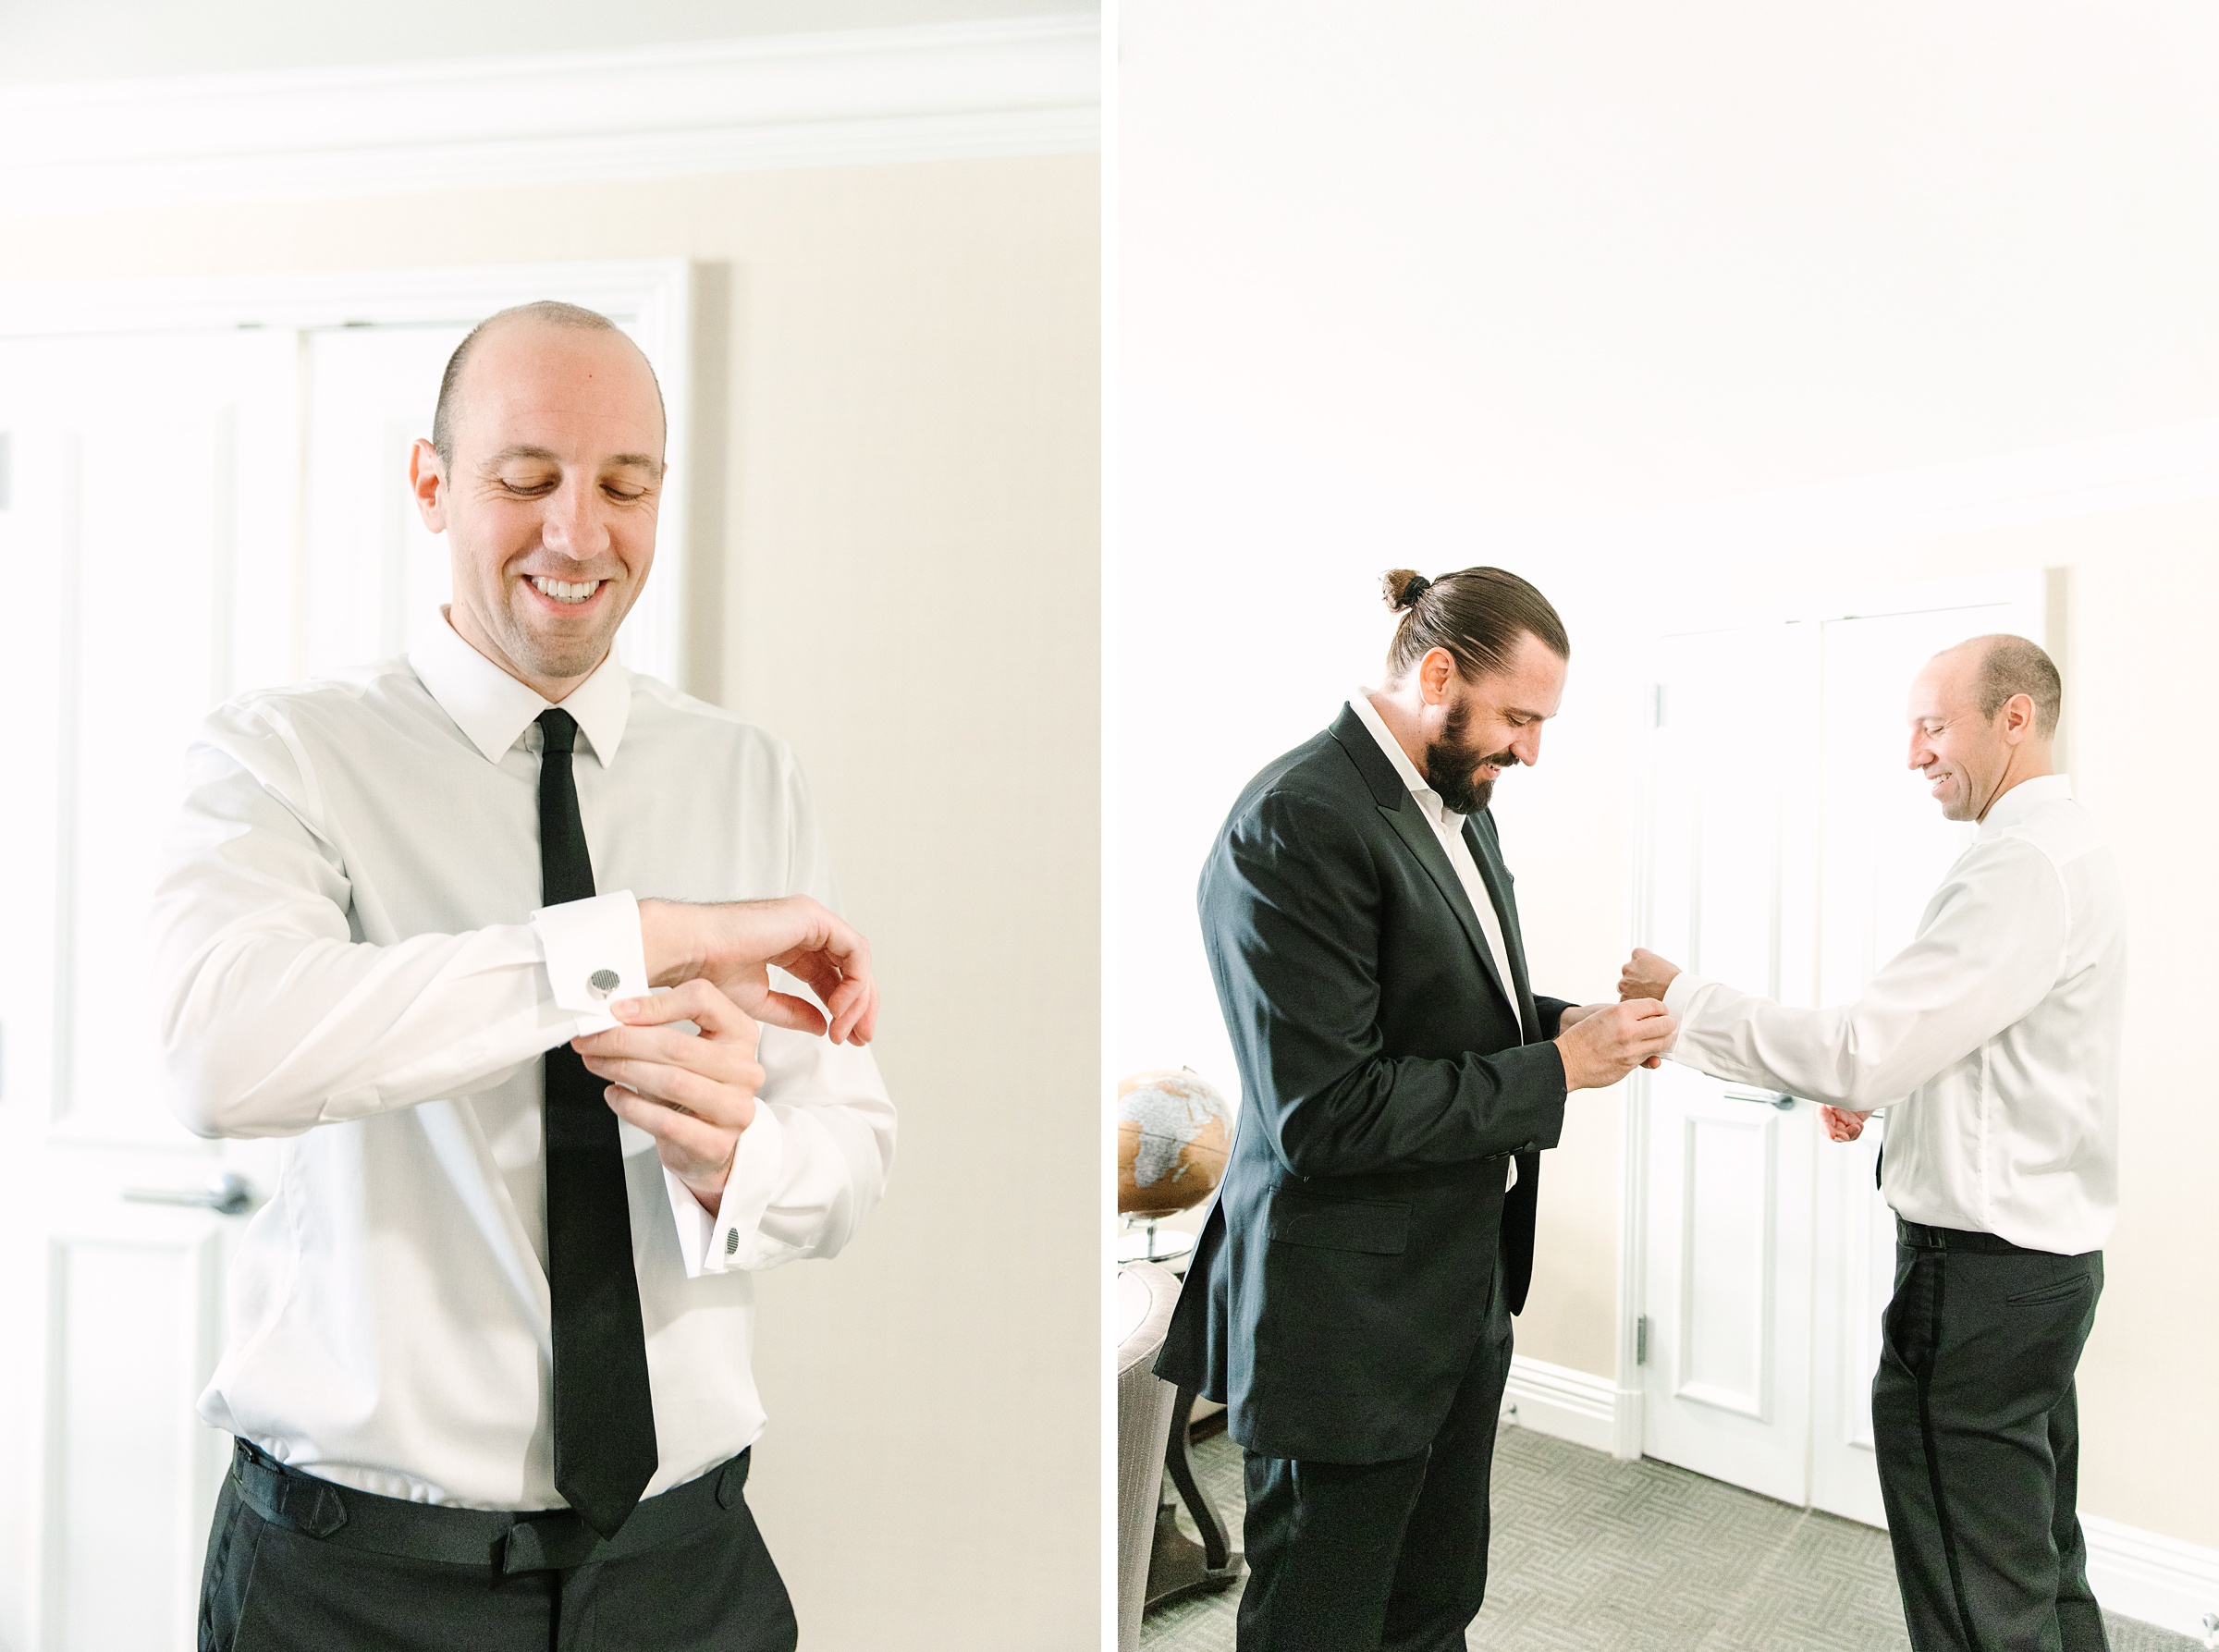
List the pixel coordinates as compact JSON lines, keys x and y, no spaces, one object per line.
{"x":1339,"y":1287}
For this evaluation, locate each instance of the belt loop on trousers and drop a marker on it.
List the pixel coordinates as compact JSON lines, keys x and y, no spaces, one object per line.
{"x":731,"y":1480}
{"x":295,"y":1501}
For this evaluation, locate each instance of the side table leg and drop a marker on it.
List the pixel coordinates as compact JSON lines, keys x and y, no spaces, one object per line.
{"x":1215,"y":1549}
{"x":1178,"y":1567}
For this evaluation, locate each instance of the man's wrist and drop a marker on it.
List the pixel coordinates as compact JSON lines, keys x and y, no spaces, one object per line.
{"x":670,"y":936}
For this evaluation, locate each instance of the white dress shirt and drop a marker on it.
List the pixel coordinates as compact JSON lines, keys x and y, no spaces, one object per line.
{"x":347,"y":955}
{"x":1449,"y":828}
{"x":1993,"y":1039}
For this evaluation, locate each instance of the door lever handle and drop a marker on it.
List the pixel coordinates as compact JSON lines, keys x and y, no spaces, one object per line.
{"x":1770,"y":1098}
{"x":229,"y":1195}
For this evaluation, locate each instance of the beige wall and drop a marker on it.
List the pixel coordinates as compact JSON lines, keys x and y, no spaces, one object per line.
{"x":900,"y":403}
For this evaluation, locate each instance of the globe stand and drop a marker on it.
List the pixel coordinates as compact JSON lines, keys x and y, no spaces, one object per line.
{"x":1141,"y":1241}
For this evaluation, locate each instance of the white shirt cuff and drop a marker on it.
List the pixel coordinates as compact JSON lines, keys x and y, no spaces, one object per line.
{"x":1680,"y":996}
{"x":730,"y":1240}
{"x":594,"y":954}
{"x":1681,"y":999}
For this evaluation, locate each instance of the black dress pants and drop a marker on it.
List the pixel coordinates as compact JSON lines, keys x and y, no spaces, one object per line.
{"x":298,"y":1564}
{"x":1977,"y":1435}
{"x":1379,"y":1557}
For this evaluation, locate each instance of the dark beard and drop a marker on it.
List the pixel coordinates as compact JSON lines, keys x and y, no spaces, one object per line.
{"x":1452,"y":771}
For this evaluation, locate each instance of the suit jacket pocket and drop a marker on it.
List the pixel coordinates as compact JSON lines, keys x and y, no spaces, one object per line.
{"x":1374,"y":1227}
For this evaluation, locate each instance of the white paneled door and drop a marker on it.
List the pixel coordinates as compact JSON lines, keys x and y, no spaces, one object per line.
{"x":1790,"y":851}
{"x":186,"y":512}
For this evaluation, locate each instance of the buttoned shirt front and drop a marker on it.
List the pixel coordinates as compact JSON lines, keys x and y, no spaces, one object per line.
{"x":1993,"y":1040}
{"x":1448,"y":827}
{"x":350,"y":954}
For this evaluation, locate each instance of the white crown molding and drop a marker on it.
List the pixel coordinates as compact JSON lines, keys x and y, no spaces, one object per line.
{"x":859,"y":97}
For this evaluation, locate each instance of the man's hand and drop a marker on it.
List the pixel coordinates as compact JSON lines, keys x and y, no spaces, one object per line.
{"x":692,"y":1092}
{"x":1842,"y":1126}
{"x":1646,"y":976}
{"x":1611,"y":1040}
{"x":1576,"y":1013}
{"x":734,"y":945}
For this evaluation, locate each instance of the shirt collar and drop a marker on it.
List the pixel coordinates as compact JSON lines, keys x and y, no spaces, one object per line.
{"x":493,"y":709}
{"x":2022,"y":800}
{"x":1429,"y":799}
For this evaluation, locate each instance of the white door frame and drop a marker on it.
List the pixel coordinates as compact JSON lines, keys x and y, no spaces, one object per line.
{"x":2044,"y":587}
{"x":654,"y":297}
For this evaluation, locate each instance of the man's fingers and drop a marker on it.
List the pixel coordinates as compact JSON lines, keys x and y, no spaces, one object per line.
{"x":697,"y":1001}
{"x":697,"y":1139}
{"x":783,"y":1009}
{"x":854,"y":1006}
{"x":711,"y":1098}
{"x":842,"y":981}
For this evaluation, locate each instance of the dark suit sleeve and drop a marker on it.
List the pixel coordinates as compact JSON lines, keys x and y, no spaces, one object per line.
{"x":1551,"y":1011}
{"x":1291,"y":915}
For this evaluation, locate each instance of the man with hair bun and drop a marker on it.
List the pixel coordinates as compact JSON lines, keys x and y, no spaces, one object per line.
{"x":1993,"y":1040}
{"x":1349,"y":1301}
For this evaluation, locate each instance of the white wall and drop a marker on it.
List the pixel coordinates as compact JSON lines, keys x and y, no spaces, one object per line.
{"x":897,"y":571}
{"x":1552,"y":287}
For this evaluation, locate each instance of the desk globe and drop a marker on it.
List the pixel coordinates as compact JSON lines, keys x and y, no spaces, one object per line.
{"x":1174,"y":1130}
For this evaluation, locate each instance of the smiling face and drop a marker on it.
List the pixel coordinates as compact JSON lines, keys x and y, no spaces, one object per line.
{"x":549,"y":501}
{"x":1969,"y":759}
{"x":1477,"y":729}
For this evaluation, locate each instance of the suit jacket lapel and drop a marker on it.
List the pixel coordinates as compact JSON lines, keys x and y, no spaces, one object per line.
{"x":1416,"y":833}
{"x":1496,"y":876}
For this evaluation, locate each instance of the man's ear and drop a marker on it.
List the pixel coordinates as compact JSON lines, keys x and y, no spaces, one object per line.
{"x":2018,"y":718}
{"x":427,"y":481}
{"x":1433,"y":674}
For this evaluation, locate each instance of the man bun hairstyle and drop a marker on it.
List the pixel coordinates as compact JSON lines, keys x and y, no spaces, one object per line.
{"x":551,"y":312}
{"x":1478,"y":613}
{"x":2011,"y":666}
{"x":1404,"y":587}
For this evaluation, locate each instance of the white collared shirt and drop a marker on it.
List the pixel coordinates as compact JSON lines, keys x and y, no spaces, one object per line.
{"x":349,"y":954}
{"x":1449,"y":828}
{"x":1993,"y":1039}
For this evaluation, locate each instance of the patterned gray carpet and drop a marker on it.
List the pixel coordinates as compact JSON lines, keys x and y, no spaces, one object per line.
{"x":1594,"y":1555}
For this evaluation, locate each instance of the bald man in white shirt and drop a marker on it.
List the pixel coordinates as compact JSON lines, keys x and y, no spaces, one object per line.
{"x":1993,"y":1040}
{"x":489,"y":1361}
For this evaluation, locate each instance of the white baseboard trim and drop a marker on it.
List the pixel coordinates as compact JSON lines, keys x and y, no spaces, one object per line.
{"x":2157,"y":1580}
{"x":2139,"y":1574}
{"x":1012,"y":86}
{"x":1564,"y":1403}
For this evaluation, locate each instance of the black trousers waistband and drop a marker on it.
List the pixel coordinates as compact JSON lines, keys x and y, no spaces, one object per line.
{"x":1919,"y":1237}
{"x":550,"y":1540}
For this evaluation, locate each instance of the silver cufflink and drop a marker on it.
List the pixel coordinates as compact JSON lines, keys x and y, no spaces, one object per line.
{"x":601,"y":982}
{"x":731,"y":1240}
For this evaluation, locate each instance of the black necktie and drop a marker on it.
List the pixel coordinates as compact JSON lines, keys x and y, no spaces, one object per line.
{"x":603,"y":1415}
